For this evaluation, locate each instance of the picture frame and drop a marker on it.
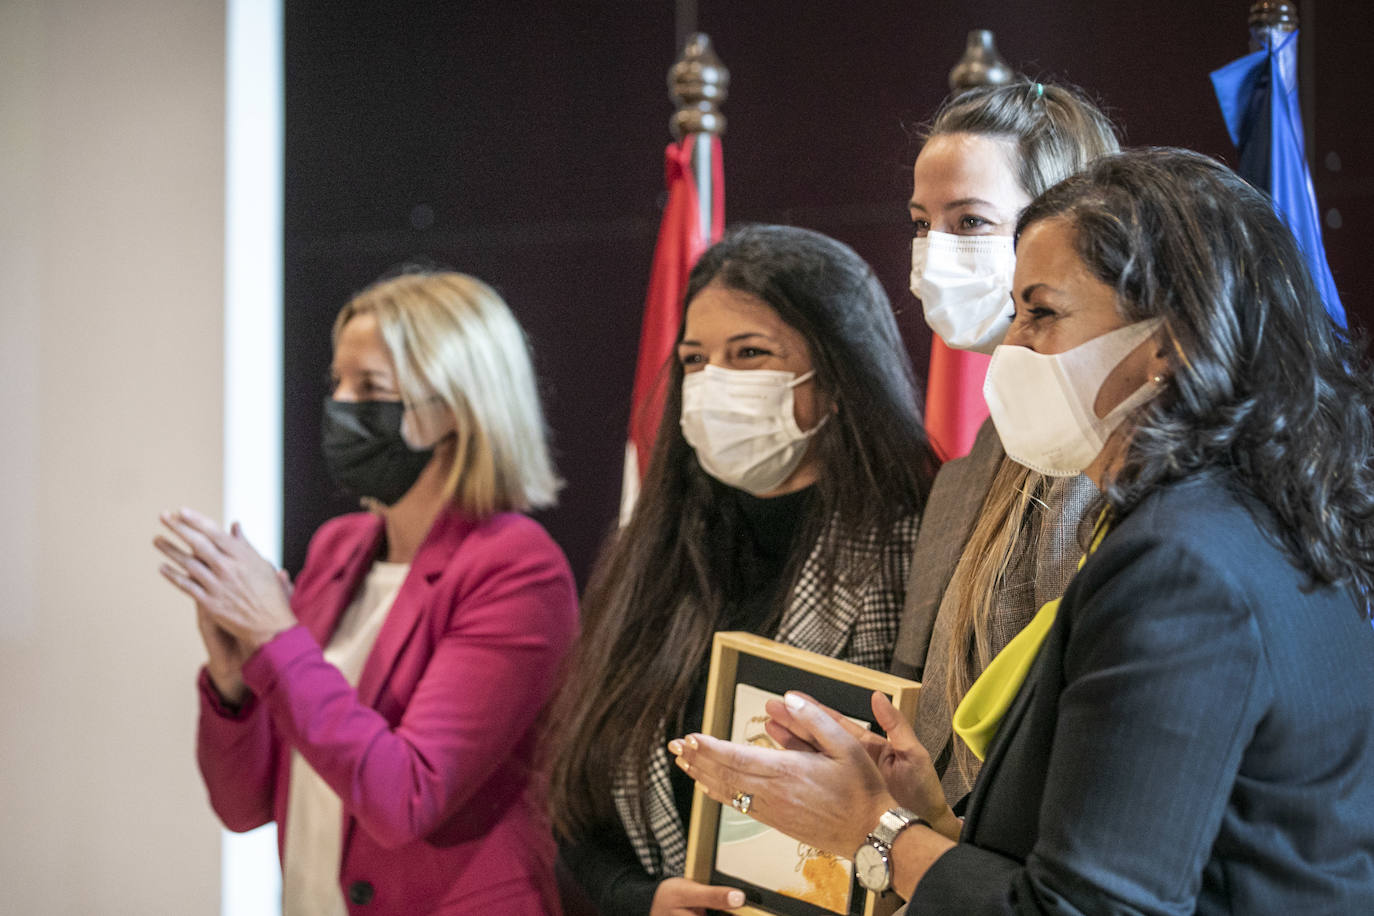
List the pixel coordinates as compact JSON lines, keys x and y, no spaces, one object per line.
{"x":781,"y":877}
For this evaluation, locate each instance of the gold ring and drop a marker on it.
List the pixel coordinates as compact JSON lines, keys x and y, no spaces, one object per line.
{"x":742,"y":802}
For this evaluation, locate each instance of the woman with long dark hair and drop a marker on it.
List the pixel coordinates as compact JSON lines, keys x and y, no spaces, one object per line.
{"x":782,"y":498}
{"x":1191,"y":728}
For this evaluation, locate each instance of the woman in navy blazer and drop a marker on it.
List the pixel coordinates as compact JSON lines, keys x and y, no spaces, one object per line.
{"x":386,"y":713}
{"x":1191,"y":728}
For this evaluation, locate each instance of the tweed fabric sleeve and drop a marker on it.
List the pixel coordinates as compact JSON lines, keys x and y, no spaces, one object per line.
{"x":1040,"y":570}
{"x":956,"y":499}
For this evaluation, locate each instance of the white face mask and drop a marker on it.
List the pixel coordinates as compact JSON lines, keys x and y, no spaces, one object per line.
{"x":964,"y":284}
{"x":1042,"y":405}
{"x":742,"y":426}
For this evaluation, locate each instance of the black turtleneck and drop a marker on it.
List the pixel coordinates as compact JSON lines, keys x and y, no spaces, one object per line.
{"x":763,"y":549}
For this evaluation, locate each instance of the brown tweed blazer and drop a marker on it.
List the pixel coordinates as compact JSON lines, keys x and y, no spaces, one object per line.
{"x":1040,"y":569}
{"x":955,"y":500}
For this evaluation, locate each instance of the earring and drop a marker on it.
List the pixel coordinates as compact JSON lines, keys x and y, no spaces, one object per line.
{"x":1158,"y":379}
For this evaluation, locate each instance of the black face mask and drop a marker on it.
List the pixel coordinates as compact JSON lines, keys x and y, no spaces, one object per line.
{"x":365,"y":452}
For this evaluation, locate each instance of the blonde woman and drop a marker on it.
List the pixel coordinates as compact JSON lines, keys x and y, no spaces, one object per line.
{"x":997,"y":539}
{"x":384,"y":713}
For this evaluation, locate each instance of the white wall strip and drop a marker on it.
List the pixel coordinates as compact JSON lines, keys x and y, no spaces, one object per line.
{"x":253,"y":352}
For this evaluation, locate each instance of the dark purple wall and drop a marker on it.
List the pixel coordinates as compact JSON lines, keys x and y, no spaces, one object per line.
{"x":526,"y":148}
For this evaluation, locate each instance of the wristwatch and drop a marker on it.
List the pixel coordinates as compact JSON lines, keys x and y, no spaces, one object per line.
{"x":873,"y":860}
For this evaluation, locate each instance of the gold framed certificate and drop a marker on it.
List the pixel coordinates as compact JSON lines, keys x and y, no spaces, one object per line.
{"x":779,"y":875}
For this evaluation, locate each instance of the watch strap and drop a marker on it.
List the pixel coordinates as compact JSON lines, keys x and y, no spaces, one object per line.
{"x":893,"y":822}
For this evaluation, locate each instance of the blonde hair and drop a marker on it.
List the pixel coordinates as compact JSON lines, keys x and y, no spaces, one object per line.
{"x":453,"y":339}
{"x":1057,"y":132}
{"x":1009,"y":509}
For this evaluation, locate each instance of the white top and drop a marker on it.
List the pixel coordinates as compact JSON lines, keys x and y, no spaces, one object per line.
{"x":314,"y":814}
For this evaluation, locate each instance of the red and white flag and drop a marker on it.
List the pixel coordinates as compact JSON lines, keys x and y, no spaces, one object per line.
{"x":680,"y":242}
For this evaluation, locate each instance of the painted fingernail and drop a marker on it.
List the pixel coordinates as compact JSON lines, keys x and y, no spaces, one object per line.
{"x":735,"y":898}
{"x":675,"y":746}
{"x":682,"y":764}
{"x":794,"y":702}
{"x":692,"y":742}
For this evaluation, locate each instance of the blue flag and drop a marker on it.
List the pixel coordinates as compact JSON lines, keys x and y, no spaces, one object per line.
{"x":1259,"y":100}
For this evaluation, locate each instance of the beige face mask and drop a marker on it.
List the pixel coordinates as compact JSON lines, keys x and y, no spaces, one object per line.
{"x":1042,"y":404}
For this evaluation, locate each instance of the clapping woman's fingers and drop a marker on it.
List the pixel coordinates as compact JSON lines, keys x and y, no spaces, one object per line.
{"x":784,"y":736}
{"x":818,"y":726}
{"x":283,"y":577}
{"x":202,"y":545}
{"x":899,"y":731}
{"x":907,"y":770}
{"x":723,"y":768}
{"x":180,"y":578}
{"x":168,"y":548}
{"x":782,"y":714}
{"x":208,"y":528}
{"x":184,"y":568}
{"x":823,"y":798}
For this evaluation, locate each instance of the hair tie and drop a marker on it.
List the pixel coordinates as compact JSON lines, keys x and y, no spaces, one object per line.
{"x":1039,"y":91}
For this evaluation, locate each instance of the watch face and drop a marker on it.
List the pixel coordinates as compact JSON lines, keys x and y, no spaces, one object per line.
{"x":870,"y":866}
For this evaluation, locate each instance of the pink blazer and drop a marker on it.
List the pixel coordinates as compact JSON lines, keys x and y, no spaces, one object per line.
{"x":434,"y":755}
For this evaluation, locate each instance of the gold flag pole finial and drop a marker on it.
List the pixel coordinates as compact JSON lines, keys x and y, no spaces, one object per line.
{"x":1271,"y":21}
{"x":697,"y":84}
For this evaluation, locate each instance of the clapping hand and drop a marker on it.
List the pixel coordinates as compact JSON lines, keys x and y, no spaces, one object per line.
{"x":831,"y":780}
{"x":822,"y":788}
{"x":900,"y":757}
{"x":242,"y":601}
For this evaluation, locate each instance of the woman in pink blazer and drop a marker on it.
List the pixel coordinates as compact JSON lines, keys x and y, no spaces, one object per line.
{"x":386,"y":711}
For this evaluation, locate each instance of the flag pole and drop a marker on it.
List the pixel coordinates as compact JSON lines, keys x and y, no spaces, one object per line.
{"x":1258,"y":95}
{"x":981,"y":65}
{"x":693,"y":218}
{"x":1271,"y":21}
{"x":698,"y":83}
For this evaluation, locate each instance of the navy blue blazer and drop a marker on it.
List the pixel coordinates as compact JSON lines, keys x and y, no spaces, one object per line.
{"x":1196,"y":735}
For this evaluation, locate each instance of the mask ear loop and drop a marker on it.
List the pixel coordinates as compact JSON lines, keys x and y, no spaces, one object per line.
{"x":427,"y":423}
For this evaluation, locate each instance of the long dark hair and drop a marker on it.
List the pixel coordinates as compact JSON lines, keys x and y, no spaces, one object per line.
{"x":1261,"y":382}
{"x":657,"y":594}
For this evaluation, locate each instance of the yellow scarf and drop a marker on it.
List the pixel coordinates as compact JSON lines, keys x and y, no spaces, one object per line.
{"x":987,"y":701}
